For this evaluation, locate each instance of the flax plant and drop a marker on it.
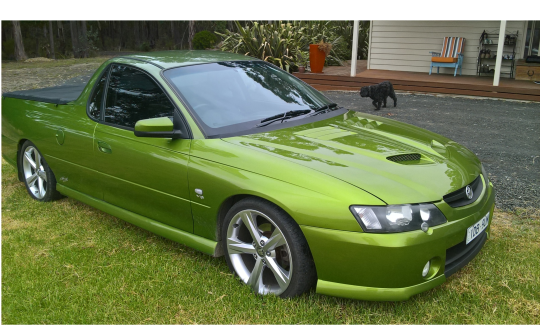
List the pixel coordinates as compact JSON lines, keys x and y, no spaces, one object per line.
{"x":281,"y":43}
{"x":345,"y":29}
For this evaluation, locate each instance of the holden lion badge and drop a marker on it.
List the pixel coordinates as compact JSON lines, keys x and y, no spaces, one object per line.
{"x":469,"y":192}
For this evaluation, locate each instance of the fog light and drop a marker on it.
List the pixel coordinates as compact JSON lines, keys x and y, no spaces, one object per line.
{"x":426,"y":269}
{"x":424,"y":227}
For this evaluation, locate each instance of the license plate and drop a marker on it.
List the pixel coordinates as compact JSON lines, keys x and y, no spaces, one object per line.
{"x":476,"y":229}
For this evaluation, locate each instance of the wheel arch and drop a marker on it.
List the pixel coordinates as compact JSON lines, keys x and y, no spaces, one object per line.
{"x":228,"y":203}
{"x":20,"y":144}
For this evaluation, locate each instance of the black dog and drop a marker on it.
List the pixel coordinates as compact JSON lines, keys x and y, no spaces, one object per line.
{"x":379,"y":93}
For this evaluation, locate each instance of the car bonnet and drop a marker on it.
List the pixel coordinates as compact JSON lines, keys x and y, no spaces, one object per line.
{"x":397,"y":162}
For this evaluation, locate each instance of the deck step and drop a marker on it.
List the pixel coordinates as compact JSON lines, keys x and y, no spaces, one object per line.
{"x":334,"y":82}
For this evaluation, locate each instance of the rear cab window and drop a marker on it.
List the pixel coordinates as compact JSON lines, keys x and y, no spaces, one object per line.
{"x":95,"y":102}
{"x":131,"y":96}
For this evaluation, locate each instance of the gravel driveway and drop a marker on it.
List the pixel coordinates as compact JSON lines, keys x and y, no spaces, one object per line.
{"x":504,"y":134}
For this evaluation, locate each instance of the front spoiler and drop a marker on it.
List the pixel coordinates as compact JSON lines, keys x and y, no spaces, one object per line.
{"x":376,"y":294}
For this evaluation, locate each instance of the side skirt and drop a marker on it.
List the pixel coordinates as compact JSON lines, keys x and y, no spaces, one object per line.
{"x":199,"y":243}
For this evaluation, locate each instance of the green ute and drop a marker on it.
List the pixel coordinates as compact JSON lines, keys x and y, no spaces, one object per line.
{"x":235,"y":157}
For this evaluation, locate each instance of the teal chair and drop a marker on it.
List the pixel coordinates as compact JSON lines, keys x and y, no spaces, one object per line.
{"x":450,"y":56}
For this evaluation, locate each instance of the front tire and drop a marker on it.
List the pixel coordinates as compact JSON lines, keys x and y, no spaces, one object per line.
{"x":37,"y":175}
{"x":266,"y":249}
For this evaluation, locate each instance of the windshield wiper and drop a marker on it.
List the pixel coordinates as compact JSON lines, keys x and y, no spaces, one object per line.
{"x":283,"y":116}
{"x":324,"y":109}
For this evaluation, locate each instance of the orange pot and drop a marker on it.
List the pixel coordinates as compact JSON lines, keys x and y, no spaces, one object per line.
{"x":316,"y":58}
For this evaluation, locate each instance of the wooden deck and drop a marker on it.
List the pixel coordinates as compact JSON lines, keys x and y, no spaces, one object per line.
{"x":338,"y":78}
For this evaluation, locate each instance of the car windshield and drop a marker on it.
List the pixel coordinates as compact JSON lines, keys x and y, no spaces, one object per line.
{"x":229,"y":97}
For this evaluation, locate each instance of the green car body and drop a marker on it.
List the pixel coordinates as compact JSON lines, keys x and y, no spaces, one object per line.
{"x":315,"y":172}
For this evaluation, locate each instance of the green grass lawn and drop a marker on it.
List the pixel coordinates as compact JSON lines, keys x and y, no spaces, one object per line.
{"x":67,"y":263}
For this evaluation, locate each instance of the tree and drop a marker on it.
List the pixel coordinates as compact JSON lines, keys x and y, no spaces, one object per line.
{"x":137,"y":33}
{"x":74,"y":39}
{"x":51,"y":37}
{"x":191,"y":34}
{"x":174,"y":35}
{"x":83,"y":40}
{"x":61,"y":37}
{"x":19,"y":46}
{"x":121,"y":36}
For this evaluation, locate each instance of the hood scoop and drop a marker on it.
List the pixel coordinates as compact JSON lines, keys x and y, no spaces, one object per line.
{"x":410,"y":159}
{"x":404,"y":157}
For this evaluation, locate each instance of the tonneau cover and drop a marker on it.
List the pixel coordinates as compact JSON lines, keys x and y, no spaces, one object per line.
{"x":57,"y":95}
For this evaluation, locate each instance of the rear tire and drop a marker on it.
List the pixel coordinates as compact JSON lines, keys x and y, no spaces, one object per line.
{"x":37,"y":176}
{"x":267,"y":250}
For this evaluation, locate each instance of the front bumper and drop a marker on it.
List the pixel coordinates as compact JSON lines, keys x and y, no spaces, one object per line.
{"x":388,"y":267}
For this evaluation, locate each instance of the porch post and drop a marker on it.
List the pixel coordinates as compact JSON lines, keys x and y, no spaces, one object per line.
{"x":354,"y":55}
{"x":498,"y":62}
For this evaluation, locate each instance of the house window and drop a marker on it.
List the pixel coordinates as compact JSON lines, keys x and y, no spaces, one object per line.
{"x":532,"y":39}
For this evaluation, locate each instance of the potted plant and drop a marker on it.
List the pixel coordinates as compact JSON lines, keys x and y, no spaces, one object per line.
{"x":317,"y":55}
{"x":301,"y":60}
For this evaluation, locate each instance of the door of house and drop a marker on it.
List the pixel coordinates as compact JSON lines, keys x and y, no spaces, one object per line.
{"x":532,"y":39}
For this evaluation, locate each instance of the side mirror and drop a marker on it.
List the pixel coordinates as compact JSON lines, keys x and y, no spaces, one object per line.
{"x":161,"y":127}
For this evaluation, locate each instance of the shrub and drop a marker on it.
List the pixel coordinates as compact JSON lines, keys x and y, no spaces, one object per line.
{"x":275,"y":42}
{"x":109,"y":43}
{"x":204,"y":40}
{"x":169,"y":45}
{"x":345,"y":30}
{"x":281,"y":43}
{"x":8,"y":49}
{"x":221,"y":26}
{"x":92,"y":39}
{"x":145,"y":47}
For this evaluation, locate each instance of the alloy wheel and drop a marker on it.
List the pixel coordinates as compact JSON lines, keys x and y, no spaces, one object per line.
{"x":259,"y":252}
{"x":34,"y":172}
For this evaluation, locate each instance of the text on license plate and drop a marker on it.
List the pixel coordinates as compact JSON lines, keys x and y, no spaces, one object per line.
{"x":476,"y":229}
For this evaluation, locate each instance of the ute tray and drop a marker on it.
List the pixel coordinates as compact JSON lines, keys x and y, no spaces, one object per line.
{"x":54,"y":95}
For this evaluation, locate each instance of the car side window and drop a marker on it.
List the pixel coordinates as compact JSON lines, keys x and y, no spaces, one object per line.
{"x":94,"y":107}
{"x":132,"y":95}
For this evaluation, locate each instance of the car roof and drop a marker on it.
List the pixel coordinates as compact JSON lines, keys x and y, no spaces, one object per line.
{"x":177,"y":58}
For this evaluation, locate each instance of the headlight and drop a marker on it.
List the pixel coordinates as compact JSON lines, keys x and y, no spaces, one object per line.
{"x":486,"y":179}
{"x":397,"y":218}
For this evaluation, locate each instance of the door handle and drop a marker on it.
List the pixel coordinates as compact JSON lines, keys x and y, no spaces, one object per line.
{"x":104,"y":147}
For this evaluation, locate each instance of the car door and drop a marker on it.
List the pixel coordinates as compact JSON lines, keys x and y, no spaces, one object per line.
{"x":147,"y":176}
{"x":68,"y":145}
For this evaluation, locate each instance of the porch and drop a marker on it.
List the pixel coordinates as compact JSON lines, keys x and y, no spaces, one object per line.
{"x":338,"y":78}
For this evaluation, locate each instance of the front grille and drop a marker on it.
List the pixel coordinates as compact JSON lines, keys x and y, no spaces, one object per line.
{"x":404,"y":157}
{"x":461,"y":254}
{"x":459,"y":197}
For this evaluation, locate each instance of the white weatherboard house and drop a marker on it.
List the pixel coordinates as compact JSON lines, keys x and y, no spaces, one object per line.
{"x":406,"y":45}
